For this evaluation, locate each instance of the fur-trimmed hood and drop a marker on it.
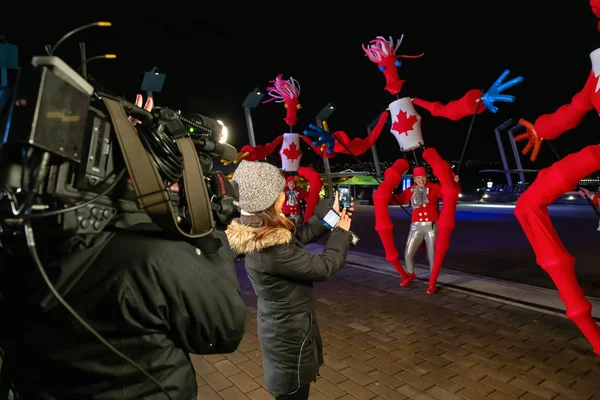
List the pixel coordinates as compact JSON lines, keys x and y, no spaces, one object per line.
{"x":242,"y":237}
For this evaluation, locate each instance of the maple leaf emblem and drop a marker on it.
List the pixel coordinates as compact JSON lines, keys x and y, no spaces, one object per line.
{"x":404,"y":123}
{"x":292,"y":152}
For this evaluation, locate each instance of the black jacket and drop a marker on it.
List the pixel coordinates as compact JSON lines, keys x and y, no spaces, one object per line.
{"x":155,"y":300}
{"x":282,"y":273}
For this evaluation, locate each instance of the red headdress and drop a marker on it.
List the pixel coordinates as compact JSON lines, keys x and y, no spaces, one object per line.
{"x":286,"y":91}
{"x":383,"y":53}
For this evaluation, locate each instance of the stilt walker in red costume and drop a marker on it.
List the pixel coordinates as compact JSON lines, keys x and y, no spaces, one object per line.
{"x":406,"y":127}
{"x":288,"y":92}
{"x":554,"y":181}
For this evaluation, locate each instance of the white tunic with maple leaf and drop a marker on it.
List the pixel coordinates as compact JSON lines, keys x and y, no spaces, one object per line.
{"x":406,"y":124}
{"x":290,"y":152}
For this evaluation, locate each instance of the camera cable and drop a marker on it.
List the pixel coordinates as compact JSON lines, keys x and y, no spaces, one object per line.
{"x":38,"y":263}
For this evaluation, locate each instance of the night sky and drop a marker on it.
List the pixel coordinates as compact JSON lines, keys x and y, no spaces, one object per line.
{"x":214,"y":55}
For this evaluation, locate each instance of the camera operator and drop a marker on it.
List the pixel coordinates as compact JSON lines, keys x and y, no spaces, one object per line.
{"x":154,"y":298}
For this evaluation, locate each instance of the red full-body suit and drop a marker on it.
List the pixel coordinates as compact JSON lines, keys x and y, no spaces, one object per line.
{"x":551,"y":183}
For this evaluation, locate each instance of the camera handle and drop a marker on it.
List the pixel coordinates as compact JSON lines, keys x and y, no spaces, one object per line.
{"x":150,"y":188}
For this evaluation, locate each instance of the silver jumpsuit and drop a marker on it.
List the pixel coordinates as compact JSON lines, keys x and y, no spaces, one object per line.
{"x":419,"y":232}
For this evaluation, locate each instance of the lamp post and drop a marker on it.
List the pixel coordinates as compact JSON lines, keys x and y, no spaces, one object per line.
{"x":516,"y":154}
{"x":153,"y":82}
{"x":374,"y":148}
{"x":252,"y":101}
{"x":507,"y":124}
{"x":322,"y":118}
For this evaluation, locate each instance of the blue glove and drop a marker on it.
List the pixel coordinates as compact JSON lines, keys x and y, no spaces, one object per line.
{"x":324,"y":137}
{"x":493,"y":93}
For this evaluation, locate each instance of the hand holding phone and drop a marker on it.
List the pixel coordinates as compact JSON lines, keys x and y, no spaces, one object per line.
{"x":332,"y":219}
{"x":344,"y":221}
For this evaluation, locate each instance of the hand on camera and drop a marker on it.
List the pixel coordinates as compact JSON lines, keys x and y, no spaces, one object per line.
{"x":344,"y":221}
{"x":139,"y":100}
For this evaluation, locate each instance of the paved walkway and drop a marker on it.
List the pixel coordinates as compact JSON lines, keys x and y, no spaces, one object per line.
{"x":386,"y":342}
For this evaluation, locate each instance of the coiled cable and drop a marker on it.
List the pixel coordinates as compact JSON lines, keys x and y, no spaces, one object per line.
{"x":164,"y":151}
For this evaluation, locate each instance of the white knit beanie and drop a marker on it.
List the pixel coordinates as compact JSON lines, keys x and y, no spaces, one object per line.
{"x":260,"y":184}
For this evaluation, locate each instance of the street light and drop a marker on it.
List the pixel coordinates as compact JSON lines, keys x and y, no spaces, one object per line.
{"x":322,"y":118}
{"x":252,"y":101}
{"x":153,"y":81}
{"x":325,"y":112}
{"x":224,"y":132}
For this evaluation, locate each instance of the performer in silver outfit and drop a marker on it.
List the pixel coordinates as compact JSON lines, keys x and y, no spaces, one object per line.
{"x":424,"y":197}
{"x":594,"y":197}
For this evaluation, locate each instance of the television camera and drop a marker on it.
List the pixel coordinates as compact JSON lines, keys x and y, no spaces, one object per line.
{"x":72,"y":163}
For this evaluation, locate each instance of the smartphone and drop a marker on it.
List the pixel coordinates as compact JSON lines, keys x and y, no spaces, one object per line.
{"x":331,"y":219}
{"x":345,"y":199}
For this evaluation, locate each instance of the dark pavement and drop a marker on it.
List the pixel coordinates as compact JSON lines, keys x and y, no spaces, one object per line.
{"x":386,"y":342}
{"x":488,"y":241}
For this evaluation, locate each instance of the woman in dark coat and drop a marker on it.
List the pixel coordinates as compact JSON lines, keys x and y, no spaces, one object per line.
{"x":282,"y":273}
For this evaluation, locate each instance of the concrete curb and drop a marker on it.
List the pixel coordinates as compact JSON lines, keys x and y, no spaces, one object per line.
{"x":520,"y":295}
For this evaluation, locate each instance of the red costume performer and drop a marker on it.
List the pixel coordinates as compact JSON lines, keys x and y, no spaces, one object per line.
{"x":594,"y":197}
{"x":287,"y":92}
{"x":554,"y":181}
{"x":424,"y":197}
{"x":406,"y":127}
{"x":293,"y":196}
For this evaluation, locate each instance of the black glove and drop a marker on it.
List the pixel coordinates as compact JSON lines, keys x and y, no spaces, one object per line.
{"x":323,"y":207}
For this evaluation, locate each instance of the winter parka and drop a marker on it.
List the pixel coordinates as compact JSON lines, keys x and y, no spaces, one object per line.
{"x":282,"y":273}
